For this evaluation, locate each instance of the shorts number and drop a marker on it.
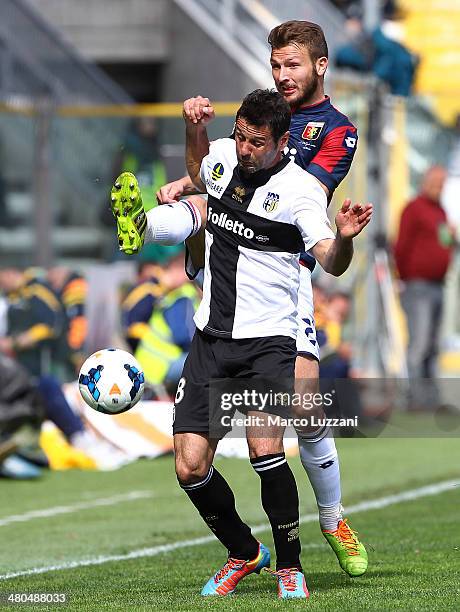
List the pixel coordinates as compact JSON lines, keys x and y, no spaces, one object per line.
{"x":180,"y":390}
{"x":309,"y":327}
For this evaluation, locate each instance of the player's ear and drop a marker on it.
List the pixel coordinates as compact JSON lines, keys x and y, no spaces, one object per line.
{"x":321,"y":66}
{"x":283,"y":141}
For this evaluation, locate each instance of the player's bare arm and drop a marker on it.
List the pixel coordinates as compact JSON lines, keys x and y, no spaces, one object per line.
{"x":197,"y":113}
{"x":335,"y":255}
{"x":197,"y":110}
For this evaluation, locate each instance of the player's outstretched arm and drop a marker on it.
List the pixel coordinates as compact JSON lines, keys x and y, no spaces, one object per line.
{"x":197,"y":113}
{"x":335,"y":255}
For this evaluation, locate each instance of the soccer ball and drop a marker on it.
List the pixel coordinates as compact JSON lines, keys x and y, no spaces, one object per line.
{"x":111,"y":381}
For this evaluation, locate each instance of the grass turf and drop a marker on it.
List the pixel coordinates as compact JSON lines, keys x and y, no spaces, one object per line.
{"x":413,"y":546}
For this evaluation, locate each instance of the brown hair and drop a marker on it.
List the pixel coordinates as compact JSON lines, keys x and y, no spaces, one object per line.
{"x":305,"y":33}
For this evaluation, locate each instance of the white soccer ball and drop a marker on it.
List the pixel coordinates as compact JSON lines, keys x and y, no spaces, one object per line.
{"x":111,"y":381}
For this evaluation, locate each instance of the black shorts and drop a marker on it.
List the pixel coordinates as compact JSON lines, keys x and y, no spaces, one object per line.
{"x":268,"y":361}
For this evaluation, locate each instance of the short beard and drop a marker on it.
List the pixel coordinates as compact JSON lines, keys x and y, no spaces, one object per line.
{"x":245,"y":171}
{"x":308,"y":93}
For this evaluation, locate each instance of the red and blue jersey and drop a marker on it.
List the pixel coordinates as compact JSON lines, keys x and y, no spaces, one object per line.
{"x":323,"y":142}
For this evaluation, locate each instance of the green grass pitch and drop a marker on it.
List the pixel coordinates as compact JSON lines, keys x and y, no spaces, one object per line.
{"x":414,"y":546}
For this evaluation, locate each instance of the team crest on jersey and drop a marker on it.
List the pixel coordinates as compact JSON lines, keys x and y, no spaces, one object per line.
{"x":239,"y":193}
{"x":217,"y":172}
{"x":312,"y":130}
{"x":271,"y":202}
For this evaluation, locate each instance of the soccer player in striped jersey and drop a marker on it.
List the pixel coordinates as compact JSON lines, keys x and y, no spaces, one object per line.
{"x":262,"y":212}
{"x":323,"y":142}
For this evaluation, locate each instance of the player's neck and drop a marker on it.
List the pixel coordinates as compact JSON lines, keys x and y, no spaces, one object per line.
{"x":261,"y":175}
{"x":276,"y":161}
{"x":316,"y":98}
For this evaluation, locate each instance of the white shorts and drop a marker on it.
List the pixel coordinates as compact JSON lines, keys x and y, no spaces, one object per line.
{"x":306,"y":331}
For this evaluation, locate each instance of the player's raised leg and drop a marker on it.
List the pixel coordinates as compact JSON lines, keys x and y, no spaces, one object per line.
{"x":169,"y":224}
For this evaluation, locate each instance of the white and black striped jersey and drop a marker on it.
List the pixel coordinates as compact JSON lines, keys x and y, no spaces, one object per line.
{"x":256,"y":228}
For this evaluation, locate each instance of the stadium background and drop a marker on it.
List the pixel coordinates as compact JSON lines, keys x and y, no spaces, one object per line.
{"x":73,"y":78}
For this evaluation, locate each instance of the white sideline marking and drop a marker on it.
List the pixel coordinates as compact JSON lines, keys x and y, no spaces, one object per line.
{"x":365,"y":506}
{"x":94,"y":503}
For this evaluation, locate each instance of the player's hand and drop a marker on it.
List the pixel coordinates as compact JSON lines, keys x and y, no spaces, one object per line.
{"x":198,"y":111}
{"x":352,"y":219}
{"x":171,"y":192}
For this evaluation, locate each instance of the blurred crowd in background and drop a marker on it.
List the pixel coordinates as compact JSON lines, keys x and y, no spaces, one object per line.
{"x":380,"y":51}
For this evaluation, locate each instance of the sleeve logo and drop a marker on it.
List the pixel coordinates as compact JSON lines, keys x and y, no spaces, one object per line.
{"x":350,"y":140}
{"x":217,"y":172}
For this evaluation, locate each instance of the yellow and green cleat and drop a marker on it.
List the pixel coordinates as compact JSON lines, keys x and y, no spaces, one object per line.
{"x":350,"y":551}
{"x":128,"y":210}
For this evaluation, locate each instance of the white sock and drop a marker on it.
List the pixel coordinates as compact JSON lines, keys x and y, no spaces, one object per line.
{"x":171,"y":224}
{"x":321,"y":462}
{"x":329,"y":516}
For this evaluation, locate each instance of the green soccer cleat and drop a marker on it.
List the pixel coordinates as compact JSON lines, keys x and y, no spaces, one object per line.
{"x":127,"y":208}
{"x":350,"y":551}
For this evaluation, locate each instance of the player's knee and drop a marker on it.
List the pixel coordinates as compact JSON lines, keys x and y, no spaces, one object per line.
{"x":308,"y":402}
{"x":259,"y":447}
{"x":191,"y":471}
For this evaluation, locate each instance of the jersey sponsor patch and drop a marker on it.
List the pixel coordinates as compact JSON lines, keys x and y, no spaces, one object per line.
{"x":238,"y":193}
{"x":312,"y":130}
{"x":231,"y":225}
{"x":217,"y":172}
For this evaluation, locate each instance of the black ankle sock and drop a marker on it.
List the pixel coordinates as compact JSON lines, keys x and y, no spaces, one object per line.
{"x":214,"y":500}
{"x":280,"y":501}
